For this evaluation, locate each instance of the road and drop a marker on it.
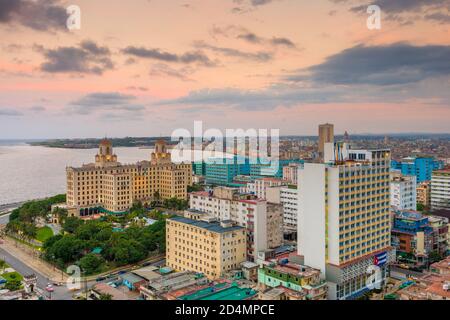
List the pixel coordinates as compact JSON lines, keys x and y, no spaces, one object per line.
{"x":60,"y":293}
{"x":4,"y":219}
{"x":10,"y":207}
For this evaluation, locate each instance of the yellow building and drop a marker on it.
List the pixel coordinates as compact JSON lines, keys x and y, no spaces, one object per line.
{"x":204,"y":246}
{"x":109,"y":185}
{"x":424,"y":193}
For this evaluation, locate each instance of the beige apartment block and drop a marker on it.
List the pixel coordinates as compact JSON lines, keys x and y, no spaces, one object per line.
{"x":205,"y":246}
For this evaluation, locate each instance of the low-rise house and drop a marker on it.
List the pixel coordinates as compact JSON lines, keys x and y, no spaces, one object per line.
{"x":288,"y":273}
{"x":101,"y":289}
{"x":434,"y":285}
{"x":250,"y":270}
{"x":132,"y":281}
{"x":158,"y":288}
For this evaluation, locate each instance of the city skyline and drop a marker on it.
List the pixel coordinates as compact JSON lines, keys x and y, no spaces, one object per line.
{"x":150,"y":67}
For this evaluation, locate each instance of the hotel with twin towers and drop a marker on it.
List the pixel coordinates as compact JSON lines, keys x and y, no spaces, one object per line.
{"x":107,"y":186}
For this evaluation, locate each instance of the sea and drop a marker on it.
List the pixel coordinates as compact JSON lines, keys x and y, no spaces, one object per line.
{"x":33,"y":172}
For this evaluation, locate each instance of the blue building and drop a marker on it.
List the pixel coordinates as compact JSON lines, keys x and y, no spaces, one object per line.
{"x":221,"y":171}
{"x":267,"y":170}
{"x":421,"y":167}
{"x":199,"y":168}
{"x":412,"y":236}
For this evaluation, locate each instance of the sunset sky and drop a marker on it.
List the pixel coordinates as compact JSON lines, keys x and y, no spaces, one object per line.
{"x":147,"y":67}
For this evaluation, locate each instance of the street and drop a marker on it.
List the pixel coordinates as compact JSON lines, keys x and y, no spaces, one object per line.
{"x":60,"y":293}
{"x":4,"y":219}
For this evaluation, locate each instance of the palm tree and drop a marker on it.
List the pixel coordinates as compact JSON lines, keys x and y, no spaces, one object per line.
{"x":2,"y":266}
{"x":105,"y":296}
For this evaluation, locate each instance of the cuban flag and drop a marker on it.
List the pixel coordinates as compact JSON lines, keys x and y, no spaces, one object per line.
{"x":380,"y":259}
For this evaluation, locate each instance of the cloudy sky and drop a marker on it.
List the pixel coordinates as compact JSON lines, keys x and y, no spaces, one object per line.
{"x":147,"y":67}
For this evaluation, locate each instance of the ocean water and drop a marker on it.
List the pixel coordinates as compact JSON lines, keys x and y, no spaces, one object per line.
{"x":36,"y":172}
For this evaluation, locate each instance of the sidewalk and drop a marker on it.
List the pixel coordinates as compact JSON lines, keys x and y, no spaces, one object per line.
{"x":30,"y":257}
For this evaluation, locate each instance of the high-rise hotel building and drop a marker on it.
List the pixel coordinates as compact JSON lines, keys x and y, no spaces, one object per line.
{"x":109,"y":186}
{"x":344,"y":223}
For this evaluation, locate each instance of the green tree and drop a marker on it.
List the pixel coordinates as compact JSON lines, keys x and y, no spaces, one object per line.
{"x":420,"y":207}
{"x":71,"y":224}
{"x":434,"y":256}
{"x":2,"y":266}
{"x":91,"y":263}
{"x":106,"y":296}
{"x":65,"y":250}
{"x":13,"y":285}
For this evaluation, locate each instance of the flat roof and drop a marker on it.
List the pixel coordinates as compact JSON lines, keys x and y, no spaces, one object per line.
{"x":131,"y":277}
{"x":221,"y":291}
{"x":116,"y":294}
{"x":212,"y":227}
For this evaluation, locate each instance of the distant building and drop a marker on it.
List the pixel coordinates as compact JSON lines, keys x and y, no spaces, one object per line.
{"x":326,"y":135}
{"x":287,"y":196}
{"x":199,"y":168}
{"x":403,"y":192}
{"x":441,"y":236}
{"x":273,"y":169}
{"x":222,"y":171}
{"x":290,"y":173}
{"x":108,"y":186}
{"x":205,"y":246}
{"x":421,"y":167}
{"x":424,"y":193}
{"x":440,"y":189}
{"x":261,"y":186}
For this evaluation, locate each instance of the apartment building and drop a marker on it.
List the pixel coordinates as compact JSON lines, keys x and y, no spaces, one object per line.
{"x":424,"y":193}
{"x":205,"y":246}
{"x":109,"y":186}
{"x":403,"y":191}
{"x":289,"y":274}
{"x":344,"y":222}
{"x":287,"y":196}
{"x":263,"y":220}
{"x":412,"y":236}
{"x":290,"y":173}
{"x":440,"y":189}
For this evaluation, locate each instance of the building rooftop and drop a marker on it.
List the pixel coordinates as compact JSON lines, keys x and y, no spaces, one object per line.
{"x":176,"y":281}
{"x":210,"y":226}
{"x":103,"y":288}
{"x":221,"y":291}
{"x":441,"y":213}
{"x":442,"y":171}
{"x":131,"y":277}
{"x":148,"y":273}
{"x":410,"y":215}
